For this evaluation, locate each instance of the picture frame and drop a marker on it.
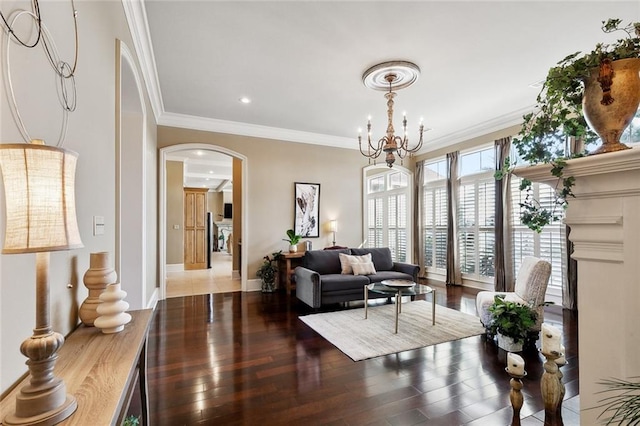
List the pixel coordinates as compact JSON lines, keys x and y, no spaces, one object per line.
{"x":307,"y":209}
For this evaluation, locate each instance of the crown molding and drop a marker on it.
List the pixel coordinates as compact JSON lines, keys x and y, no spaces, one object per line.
{"x":486,"y":127}
{"x":136,"y":16}
{"x":254,"y":130}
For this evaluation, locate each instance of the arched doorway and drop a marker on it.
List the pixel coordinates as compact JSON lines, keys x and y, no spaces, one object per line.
{"x":162,"y":234}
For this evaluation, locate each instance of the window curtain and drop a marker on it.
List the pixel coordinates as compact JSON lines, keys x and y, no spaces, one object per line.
{"x":570,"y":285}
{"x":418,"y":215}
{"x":454,"y":276}
{"x":504,"y":276}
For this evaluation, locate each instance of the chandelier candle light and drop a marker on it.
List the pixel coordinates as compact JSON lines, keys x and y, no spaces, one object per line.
{"x":393,"y":75}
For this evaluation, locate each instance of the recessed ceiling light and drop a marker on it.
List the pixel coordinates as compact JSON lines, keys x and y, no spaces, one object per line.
{"x":199,"y":153}
{"x":245,"y":100}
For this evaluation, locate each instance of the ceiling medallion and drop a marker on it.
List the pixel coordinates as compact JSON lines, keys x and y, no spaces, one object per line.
{"x":390,"y":76}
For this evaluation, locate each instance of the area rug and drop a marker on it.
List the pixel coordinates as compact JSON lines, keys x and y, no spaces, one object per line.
{"x":361,"y":338}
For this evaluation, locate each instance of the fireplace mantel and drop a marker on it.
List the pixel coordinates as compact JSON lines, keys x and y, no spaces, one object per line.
{"x":604,"y":218}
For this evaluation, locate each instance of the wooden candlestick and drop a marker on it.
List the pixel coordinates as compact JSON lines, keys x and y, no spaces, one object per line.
{"x":552,"y":390}
{"x":516,"y":397}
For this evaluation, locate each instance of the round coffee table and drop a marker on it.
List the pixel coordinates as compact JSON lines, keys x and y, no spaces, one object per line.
{"x":399,"y":288}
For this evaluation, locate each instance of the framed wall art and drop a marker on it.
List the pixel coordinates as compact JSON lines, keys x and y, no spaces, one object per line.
{"x":307,"y":209}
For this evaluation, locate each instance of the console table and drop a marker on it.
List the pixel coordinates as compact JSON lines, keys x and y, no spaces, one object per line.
{"x":100,"y":371}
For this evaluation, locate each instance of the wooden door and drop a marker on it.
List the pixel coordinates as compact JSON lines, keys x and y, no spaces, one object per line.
{"x":195,"y":229}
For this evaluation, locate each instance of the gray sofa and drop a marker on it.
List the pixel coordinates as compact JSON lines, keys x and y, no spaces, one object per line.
{"x":320,"y":281}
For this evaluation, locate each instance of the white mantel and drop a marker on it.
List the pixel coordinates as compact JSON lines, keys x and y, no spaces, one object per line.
{"x":604,"y":218}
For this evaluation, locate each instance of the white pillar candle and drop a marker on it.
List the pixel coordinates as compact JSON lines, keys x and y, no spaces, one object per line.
{"x":562,"y":360}
{"x":551,"y":337}
{"x":515,"y":364}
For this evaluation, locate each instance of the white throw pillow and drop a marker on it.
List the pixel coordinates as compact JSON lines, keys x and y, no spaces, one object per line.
{"x":346,"y":260}
{"x":365,"y":268}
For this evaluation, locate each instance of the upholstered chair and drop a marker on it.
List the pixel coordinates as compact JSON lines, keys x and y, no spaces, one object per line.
{"x":530,"y":288}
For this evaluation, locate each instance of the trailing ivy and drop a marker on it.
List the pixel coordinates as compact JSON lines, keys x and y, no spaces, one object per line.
{"x":558,"y":114}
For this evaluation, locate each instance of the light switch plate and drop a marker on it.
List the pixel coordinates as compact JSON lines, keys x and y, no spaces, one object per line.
{"x":98,"y":225}
{"x":176,"y":226}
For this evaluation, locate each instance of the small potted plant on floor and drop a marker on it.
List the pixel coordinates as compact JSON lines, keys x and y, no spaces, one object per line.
{"x":511,"y":322}
{"x":293,"y":239}
{"x":268,"y":272}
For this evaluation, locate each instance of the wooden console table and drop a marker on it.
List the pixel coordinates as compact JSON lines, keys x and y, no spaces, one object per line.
{"x":286,"y":265}
{"x":100,"y":371}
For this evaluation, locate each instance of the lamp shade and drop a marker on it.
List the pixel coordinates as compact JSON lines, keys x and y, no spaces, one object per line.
{"x":333,"y":226}
{"x":39,"y":185}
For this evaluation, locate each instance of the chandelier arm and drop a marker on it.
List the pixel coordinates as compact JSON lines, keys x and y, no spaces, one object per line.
{"x":376,"y":150}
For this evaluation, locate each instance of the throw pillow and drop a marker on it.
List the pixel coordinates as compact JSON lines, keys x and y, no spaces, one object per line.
{"x":346,"y":260}
{"x":365,"y":268}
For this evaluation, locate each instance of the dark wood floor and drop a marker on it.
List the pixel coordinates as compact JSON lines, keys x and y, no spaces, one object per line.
{"x":246,"y":359}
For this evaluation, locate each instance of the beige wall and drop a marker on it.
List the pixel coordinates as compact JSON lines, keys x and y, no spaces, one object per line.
{"x":273,"y":167}
{"x":91,"y":133}
{"x":175,"y":213}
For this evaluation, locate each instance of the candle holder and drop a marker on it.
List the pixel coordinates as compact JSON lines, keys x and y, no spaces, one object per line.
{"x":515,"y":395}
{"x":552,"y":390}
{"x":561,"y":362}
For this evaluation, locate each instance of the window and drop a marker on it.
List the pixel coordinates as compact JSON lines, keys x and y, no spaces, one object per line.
{"x":548,"y":245}
{"x":631,"y":136}
{"x":476,"y":214}
{"x":388,"y":214}
{"x":434,"y":228}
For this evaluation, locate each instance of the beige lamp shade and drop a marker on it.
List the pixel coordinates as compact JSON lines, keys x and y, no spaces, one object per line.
{"x":39,"y":185}
{"x":333,"y":226}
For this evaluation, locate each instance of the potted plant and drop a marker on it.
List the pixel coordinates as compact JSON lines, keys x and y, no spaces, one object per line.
{"x":293,"y":239}
{"x":578,"y":83}
{"x":623,"y":406}
{"x":511,"y":322}
{"x":268,"y":271}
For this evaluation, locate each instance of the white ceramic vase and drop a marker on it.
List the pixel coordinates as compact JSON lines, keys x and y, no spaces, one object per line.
{"x":112,"y":315}
{"x":98,"y":276}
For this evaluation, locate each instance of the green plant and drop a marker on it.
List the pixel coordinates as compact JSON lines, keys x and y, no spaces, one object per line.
{"x":292,"y":237}
{"x":558,"y":114}
{"x":623,"y":408}
{"x":269,"y":268}
{"x":131,"y":421}
{"x":511,"y":319}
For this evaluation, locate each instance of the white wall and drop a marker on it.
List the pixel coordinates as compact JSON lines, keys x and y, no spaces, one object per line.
{"x":91,"y":133}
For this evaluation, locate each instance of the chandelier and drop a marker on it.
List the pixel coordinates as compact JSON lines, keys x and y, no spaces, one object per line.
{"x":393,"y":75}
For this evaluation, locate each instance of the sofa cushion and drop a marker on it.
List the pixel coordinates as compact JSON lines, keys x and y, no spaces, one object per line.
{"x":364,"y":268}
{"x":347,"y":260}
{"x":381,"y":257}
{"x":323,"y":261}
{"x":389,"y":275}
{"x":342,"y":282}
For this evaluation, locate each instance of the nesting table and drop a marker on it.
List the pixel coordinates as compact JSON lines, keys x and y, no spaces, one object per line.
{"x":399,"y":288}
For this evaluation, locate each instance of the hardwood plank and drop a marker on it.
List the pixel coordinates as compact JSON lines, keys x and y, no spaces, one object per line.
{"x":249,"y":360}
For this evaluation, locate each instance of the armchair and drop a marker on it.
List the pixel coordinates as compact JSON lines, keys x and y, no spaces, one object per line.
{"x":530,"y":288}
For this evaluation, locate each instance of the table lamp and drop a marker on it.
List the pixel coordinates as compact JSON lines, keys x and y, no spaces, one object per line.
{"x":39,"y":185}
{"x":333,"y":226}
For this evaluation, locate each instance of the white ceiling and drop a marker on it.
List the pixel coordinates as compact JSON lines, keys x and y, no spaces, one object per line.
{"x":205,"y":169}
{"x":301,"y":63}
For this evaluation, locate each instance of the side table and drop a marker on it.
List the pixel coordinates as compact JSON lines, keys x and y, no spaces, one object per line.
{"x":286,"y":265}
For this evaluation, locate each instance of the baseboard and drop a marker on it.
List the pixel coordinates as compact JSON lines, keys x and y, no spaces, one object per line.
{"x":254,"y":285}
{"x":154,"y":299}
{"x":175,"y":267}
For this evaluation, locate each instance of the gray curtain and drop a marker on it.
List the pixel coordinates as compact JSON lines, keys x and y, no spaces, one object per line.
{"x":454,"y":276}
{"x":418,"y":215}
{"x":503,"y":256}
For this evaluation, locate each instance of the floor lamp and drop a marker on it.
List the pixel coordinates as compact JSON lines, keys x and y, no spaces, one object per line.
{"x":39,"y":185}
